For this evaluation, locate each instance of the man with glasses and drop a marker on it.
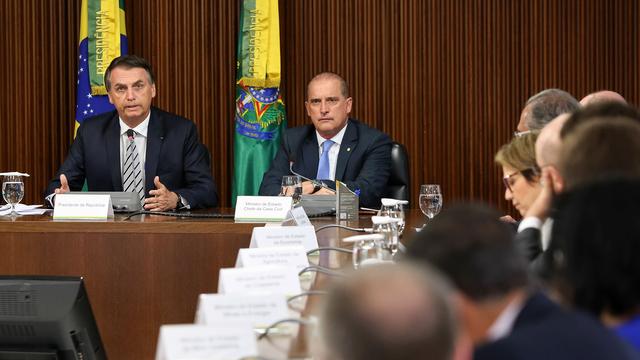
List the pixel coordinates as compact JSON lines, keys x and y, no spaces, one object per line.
{"x":334,"y":147}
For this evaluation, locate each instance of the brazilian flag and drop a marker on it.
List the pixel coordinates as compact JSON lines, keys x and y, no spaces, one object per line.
{"x":260,"y":115}
{"x":103,"y":37}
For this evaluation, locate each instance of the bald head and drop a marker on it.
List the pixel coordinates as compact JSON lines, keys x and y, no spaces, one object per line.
{"x":327,"y":75}
{"x":548,"y":142}
{"x":389,"y":312}
{"x":603,"y":96}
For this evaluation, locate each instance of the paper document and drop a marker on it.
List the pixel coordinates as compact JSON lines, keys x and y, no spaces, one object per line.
{"x":23,"y":209}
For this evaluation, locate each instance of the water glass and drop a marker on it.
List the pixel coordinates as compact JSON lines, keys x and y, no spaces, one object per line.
{"x":12,"y":191}
{"x":394,"y":209}
{"x":388,"y":227}
{"x":366,"y":249}
{"x":291,"y":186}
{"x":430,"y":200}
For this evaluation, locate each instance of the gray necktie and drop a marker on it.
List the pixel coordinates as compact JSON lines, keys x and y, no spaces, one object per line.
{"x":132,"y":174}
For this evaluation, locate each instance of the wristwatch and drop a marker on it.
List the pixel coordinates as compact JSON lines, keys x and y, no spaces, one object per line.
{"x":317,"y":185}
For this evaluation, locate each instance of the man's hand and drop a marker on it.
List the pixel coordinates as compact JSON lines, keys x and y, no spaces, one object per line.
{"x":163,"y":199}
{"x":64,"y":185}
{"x":307,"y":187}
{"x":542,"y":204}
{"x":324,"y":191}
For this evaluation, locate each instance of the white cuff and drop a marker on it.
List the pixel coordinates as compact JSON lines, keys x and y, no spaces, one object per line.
{"x":530,"y":222}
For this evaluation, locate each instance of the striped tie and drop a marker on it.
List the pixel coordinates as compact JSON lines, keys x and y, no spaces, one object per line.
{"x":132,"y":174}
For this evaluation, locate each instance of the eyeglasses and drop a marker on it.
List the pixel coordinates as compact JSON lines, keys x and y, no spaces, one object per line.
{"x":521,"y":133}
{"x":329,"y":101}
{"x":509,"y":180}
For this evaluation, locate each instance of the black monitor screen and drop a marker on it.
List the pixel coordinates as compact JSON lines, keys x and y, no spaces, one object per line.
{"x":47,"y":318}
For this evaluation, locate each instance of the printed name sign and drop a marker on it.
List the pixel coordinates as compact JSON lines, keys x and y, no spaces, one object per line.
{"x":290,"y":256}
{"x":201,"y":342}
{"x":304,"y":236}
{"x":299,"y":216}
{"x":82,"y":207}
{"x":259,"y":311}
{"x":259,"y":280}
{"x":262,"y":208}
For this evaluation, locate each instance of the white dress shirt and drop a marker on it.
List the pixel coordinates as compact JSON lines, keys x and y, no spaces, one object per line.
{"x":333,"y":151}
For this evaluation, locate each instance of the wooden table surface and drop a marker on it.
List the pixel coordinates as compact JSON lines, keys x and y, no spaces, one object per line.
{"x":148,"y":271}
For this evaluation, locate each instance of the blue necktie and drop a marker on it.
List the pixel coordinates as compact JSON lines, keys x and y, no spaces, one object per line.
{"x":324,"y":169}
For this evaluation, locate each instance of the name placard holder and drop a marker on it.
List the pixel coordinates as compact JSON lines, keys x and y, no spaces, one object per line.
{"x":259,"y":280}
{"x":259,"y":311}
{"x":262,"y":208}
{"x":297,"y":217}
{"x":82,"y":207}
{"x":201,"y":342}
{"x":290,"y":256}
{"x":347,"y":202}
{"x":304,"y":236}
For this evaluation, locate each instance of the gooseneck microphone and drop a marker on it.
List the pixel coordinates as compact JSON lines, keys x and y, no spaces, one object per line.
{"x":292,"y":159}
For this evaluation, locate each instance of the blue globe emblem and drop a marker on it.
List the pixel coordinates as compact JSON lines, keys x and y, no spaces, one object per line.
{"x":265,"y":95}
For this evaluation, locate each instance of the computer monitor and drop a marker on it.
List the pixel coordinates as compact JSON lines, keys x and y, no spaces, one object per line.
{"x":47,"y":318}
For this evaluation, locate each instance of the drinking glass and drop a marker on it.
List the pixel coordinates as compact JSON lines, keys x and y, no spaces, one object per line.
{"x":430,"y":200}
{"x":388,"y":227}
{"x":12,"y":191}
{"x":394,"y":209}
{"x":291,"y":186}
{"x":366,"y":249}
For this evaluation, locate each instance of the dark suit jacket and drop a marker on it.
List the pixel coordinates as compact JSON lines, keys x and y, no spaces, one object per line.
{"x":173,"y":153}
{"x":529,"y":243}
{"x":543,"y":330}
{"x":364,"y":161}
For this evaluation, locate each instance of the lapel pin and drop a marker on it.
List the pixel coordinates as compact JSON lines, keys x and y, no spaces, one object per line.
{"x":348,"y":149}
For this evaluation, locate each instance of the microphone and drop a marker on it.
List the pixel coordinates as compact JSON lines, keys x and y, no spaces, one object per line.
{"x":315,"y":182}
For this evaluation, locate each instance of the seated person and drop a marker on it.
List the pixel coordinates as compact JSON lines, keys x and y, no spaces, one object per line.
{"x":522,"y":187}
{"x":334,"y":147}
{"x":501,"y":309}
{"x":597,"y":227}
{"x":138,"y":148}
{"x":388,"y":312}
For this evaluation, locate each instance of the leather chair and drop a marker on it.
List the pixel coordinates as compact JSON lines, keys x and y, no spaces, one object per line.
{"x":398,"y":185}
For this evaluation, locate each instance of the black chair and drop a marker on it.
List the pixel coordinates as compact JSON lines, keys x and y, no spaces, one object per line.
{"x":398,"y":185}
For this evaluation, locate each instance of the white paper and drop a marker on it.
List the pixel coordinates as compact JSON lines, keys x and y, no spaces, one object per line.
{"x":304,"y":236}
{"x":201,"y":342}
{"x":289,"y":256}
{"x":259,"y":311}
{"x":82,"y":207}
{"x":14,"y":173}
{"x":262,"y":208}
{"x":259,"y":280}
{"x":23,"y":209}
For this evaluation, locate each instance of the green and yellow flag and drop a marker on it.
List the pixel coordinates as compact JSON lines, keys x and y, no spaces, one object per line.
{"x":260,"y":115}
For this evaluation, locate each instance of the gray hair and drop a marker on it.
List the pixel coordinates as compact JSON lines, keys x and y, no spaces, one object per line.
{"x":547,"y":105}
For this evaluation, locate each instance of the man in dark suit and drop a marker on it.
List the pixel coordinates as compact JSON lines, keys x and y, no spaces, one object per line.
{"x":334,"y":147}
{"x":138,"y":148}
{"x":503,"y":315}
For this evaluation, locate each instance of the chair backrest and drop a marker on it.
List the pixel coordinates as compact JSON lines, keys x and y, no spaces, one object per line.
{"x":399,"y":184}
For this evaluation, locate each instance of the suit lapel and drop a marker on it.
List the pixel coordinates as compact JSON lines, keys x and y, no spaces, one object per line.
{"x":155,"y":136}
{"x":310,"y":158}
{"x":112,"y":137}
{"x":349,"y":142}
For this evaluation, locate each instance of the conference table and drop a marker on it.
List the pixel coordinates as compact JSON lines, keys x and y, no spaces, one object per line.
{"x":148,"y":270}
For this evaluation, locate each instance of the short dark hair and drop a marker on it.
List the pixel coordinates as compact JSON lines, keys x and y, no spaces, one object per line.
{"x":344,"y":87}
{"x":601,"y":150}
{"x":128,"y":62}
{"x":547,"y":105}
{"x":470,"y":245}
{"x":602,"y":111}
{"x":597,"y":227}
{"x":389,"y":312}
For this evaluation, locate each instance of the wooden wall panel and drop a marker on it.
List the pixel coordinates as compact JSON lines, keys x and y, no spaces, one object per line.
{"x":446,"y":78}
